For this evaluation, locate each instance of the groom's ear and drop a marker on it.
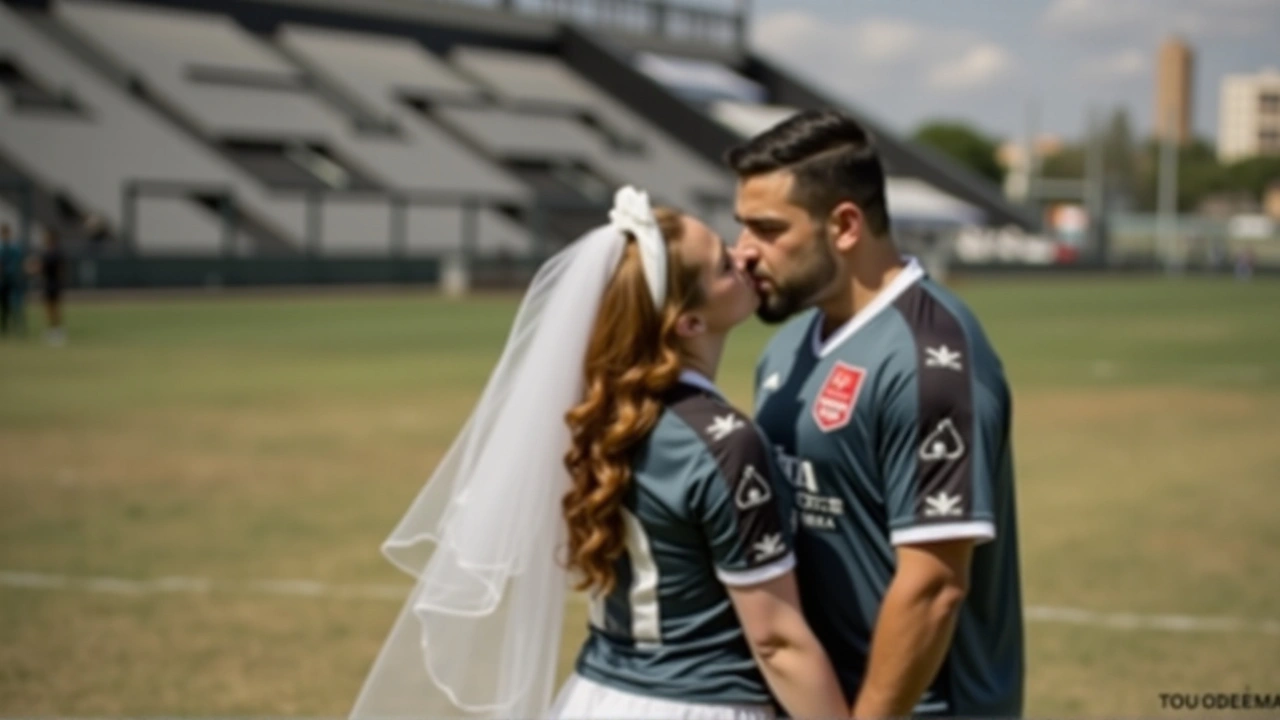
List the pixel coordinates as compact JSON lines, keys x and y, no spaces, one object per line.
{"x":845,"y":226}
{"x":690,"y":324}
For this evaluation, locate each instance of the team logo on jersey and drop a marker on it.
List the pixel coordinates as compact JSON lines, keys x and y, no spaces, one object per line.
{"x":942,"y":357}
{"x":942,"y":505}
{"x":753,"y":490}
{"x":724,"y":426}
{"x":769,"y":547}
{"x":834,"y":404}
{"x":944,"y":443}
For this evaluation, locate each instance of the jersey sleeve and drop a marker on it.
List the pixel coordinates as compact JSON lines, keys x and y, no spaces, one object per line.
{"x":741,"y":508}
{"x":941,"y":441}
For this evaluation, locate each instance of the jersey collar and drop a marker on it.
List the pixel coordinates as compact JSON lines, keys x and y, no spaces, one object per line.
{"x":698,"y":380}
{"x":910,"y":275}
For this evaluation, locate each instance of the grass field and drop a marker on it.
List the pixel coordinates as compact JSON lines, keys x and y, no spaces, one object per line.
{"x":247,"y":439}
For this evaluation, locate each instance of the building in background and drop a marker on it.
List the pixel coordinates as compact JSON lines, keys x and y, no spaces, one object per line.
{"x":1174,"y":99}
{"x":1249,"y":115}
{"x":1271,"y":201}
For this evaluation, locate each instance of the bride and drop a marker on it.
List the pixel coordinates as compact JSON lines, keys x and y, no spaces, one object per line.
{"x":601,"y":455}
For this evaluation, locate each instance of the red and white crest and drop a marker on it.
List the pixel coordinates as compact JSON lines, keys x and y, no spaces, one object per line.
{"x":833,"y":407}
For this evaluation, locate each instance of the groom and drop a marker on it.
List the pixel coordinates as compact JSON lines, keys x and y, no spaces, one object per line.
{"x":890,"y":409}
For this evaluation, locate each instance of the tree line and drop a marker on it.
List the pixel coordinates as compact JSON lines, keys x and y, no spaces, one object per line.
{"x":1131,"y":167}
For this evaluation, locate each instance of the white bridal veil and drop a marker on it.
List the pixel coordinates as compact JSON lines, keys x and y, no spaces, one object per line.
{"x":480,"y":633}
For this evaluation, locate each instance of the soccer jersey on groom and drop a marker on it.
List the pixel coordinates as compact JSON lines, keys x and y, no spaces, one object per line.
{"x":893,"y":431}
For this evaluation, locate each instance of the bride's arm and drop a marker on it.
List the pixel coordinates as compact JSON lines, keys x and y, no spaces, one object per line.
{"x":789,"y":655}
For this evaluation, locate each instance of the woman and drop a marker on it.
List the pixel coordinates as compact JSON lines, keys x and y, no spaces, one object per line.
{"x":666,"y":509}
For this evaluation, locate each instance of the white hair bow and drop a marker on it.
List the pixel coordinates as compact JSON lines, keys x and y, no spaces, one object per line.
{"x":632,"y":213}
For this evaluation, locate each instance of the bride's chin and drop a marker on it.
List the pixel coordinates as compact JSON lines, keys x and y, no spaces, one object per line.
{"x":749,"y":310}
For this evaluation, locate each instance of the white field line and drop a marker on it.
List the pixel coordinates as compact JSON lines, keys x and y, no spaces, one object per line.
{"x":315,"y":589}
{"x":190,"y":585}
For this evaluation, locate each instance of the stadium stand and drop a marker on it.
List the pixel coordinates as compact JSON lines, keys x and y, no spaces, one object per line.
{"x":87,"y":139}
{"x":616,"y":145}
{"x":378,"y":77}
{"x":325,"y":132}
{"x":260,"y":108}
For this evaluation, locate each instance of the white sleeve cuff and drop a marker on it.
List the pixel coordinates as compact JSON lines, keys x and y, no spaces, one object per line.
{"x":980,"y":530}
{"x":755,"y":576}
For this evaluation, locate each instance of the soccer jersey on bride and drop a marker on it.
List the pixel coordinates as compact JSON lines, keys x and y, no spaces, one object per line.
{"x":702,"y":512}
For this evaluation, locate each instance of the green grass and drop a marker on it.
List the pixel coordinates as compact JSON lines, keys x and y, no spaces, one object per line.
{"x":242,"y":439}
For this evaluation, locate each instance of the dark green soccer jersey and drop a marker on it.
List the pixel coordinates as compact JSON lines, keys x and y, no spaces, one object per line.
{"x":895,"y":430}
{"x":703,"y":511}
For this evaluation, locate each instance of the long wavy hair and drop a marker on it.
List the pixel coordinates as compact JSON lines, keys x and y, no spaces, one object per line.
{"x":633,"y":358}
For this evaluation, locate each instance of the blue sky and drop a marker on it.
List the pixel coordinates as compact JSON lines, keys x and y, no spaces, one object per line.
{"x":903,"y":61}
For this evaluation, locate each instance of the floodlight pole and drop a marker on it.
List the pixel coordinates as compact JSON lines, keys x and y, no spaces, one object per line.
{"x":1032,"y":120}
{"x":1167,"y":208}
{"x":1095,"y":181}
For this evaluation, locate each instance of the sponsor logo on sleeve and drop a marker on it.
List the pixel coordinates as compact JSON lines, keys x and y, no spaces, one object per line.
{"x":753,"y":490}
{"x":768,"y":547}
{"x":724,"y":426}
{"x":942,"y":505}
{"x":943,"y":443}
{"x":942,"y":357}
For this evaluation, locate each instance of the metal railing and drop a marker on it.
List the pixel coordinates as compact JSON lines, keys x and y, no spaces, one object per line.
{"x":132,"y":191}
{"x":668,"y":20}
{"x":237,"y":218}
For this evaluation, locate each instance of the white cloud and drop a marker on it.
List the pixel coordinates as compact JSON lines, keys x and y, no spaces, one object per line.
{"x":876,"y":40}
{"x":1092,"y":15}
{"x":785,"y":30}
{"x":979,"y":66}
{"x":821,"y":51}
{"x":1126,"y":64}
{"x":1073,"y":55}
{"x":1197,"y":18}
{"x":886,"y":39}
{"x":881,"y":53}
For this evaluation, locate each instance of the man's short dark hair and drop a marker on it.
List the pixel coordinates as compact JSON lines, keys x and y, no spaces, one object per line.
{"x":832,"y":157}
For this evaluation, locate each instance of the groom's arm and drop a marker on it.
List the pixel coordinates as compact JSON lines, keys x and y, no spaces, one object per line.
{"x":914,"y":627}
{"x":935,"y":446}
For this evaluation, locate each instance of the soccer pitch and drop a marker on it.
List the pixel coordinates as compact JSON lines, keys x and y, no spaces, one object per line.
{"x":163,"y":473}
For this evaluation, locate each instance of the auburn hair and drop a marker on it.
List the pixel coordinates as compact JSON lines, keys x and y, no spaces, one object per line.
{"x":633,"y":358}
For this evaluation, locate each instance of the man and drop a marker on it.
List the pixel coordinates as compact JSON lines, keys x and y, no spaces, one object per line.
{"x":50,"y":265}
{"x":891,"y":412}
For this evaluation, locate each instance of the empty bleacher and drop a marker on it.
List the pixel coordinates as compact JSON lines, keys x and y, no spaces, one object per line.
{"x":238,"y":93}
{"x":392,"y":132}
{"x":381,"y":74}
{"x":97,"y":139}
{"x":621,"y":145}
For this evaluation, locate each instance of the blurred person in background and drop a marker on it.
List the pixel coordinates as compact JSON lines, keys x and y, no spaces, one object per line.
{"x":50,"y":265}
{"x":12,"y":282}
{"x":891,"y":410}
{"x":601,"y":438}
